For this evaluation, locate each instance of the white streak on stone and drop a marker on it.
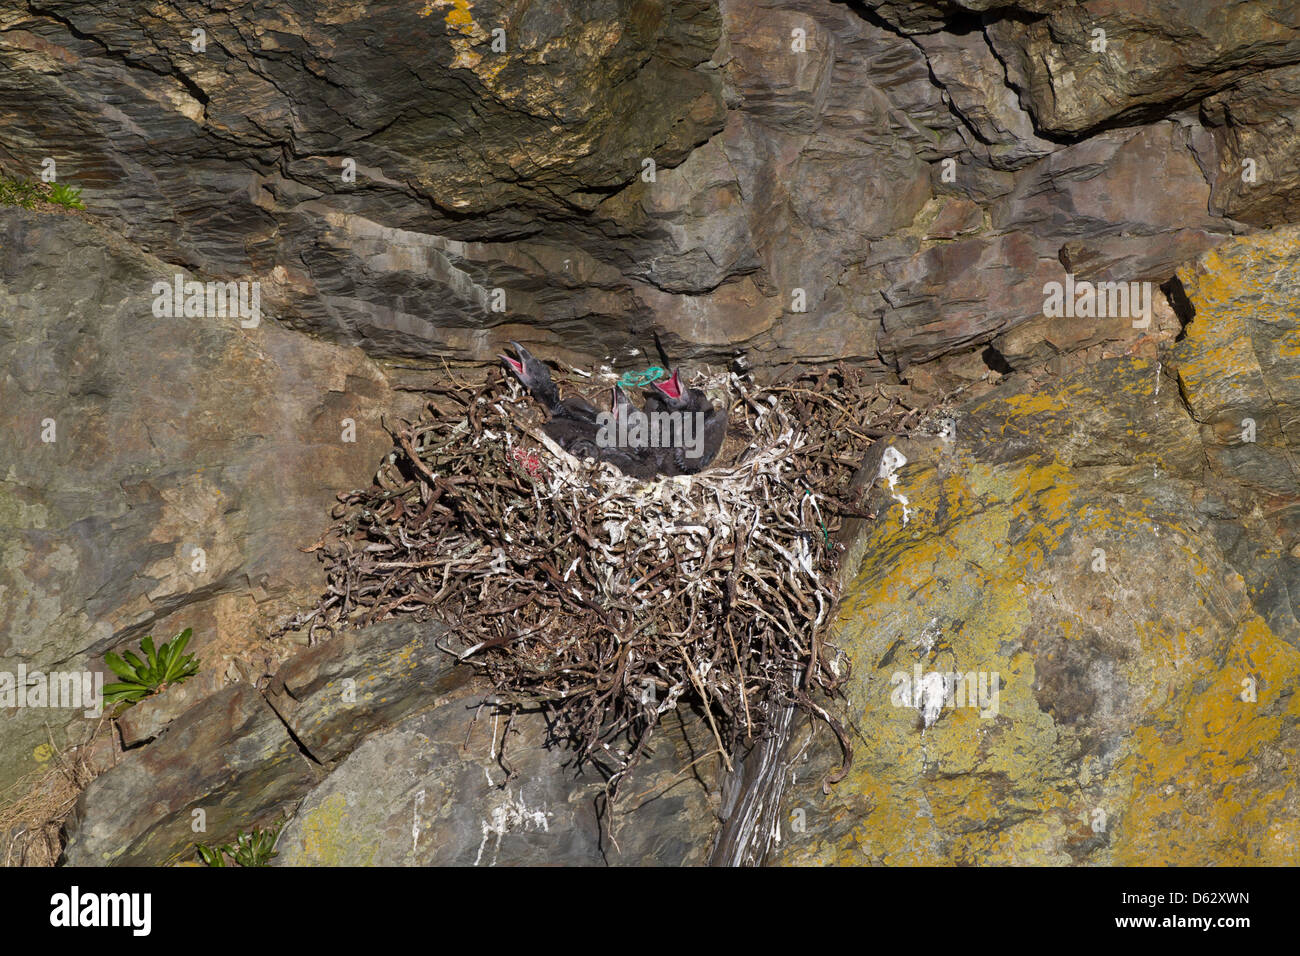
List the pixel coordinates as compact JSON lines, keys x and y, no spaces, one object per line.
{"x":890,"y":463}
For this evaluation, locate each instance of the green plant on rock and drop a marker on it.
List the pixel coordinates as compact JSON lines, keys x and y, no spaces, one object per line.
{"x":64,"y":195}
{"x":249,"y":849}
{"x":168,"y":664}
{"x":19,"y":192}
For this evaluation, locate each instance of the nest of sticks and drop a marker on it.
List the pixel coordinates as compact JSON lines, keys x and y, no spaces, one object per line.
{"x":608,"y":601}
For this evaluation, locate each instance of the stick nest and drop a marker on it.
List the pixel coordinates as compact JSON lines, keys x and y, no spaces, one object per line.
{"x":604,"y":600}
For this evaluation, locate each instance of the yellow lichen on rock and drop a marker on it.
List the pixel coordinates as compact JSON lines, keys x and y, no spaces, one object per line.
{"x":1246,"y":336}
{"x":1145,"y":708}
{"x":1204,"y":775}
{"x":328,"y":835}
{"x":464,"y":31}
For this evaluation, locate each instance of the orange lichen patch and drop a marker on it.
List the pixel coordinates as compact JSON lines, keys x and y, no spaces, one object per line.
{"x":1049,"y":492}
{"x":1006,"y":558}
{"x":464,"y":31}
{"x":905,"y":793}
{"x":965,"y":802}
{"x":1220,"y":366}
{"x":1288,"y":345}
{"x":1032,"y":839}
{"x":1246,"y":321}
{"x":458,"y":17}
{"x":1120,"y":733}
{"x":1241,"y":270}
{"x":898,"y":831}
{"x":1201,"y":777}
{"x":1043,"y":402}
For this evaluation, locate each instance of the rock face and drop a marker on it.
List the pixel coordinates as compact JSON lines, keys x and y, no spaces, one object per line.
{"x":1080,"y":68}
{"x":1108,"y":562}
{"x":156,"y":473}
{"x":431,"y":179}
{"x":434,"y":791}
{"x":243,"y":754}
{"x":1254,"y":123}
{"x":455,"y":146}
{"x":378,"y":741}
{"x":896,"y":184}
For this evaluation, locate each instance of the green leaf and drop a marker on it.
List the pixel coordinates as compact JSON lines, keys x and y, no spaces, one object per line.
{"x":140,"y":679}
{"x":210,"y":856}
{"x":113,"y":693}
{"x":118,"y":666}
{"x":141,"y":670}
{"x":181,"y":639}
{"x":176,"y":667}
{"x":64,"y":195}
{"x":189,"y":667}
{"x":179,"y":668}
{"x":126,"y":686}
{"x":166,"y":657}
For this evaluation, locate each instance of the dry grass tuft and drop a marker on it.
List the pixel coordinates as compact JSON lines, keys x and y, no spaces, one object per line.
{"x":34,"y":808}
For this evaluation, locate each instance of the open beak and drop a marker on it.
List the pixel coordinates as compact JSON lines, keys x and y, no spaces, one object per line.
{"x":672,"y":387}
{"x":516,"y":364}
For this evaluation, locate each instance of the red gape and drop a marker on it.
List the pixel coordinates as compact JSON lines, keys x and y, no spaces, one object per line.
{"x":532,"y":464}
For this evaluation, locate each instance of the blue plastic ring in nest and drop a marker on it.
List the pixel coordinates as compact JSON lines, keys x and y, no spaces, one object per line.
{"x":637,"y":379}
